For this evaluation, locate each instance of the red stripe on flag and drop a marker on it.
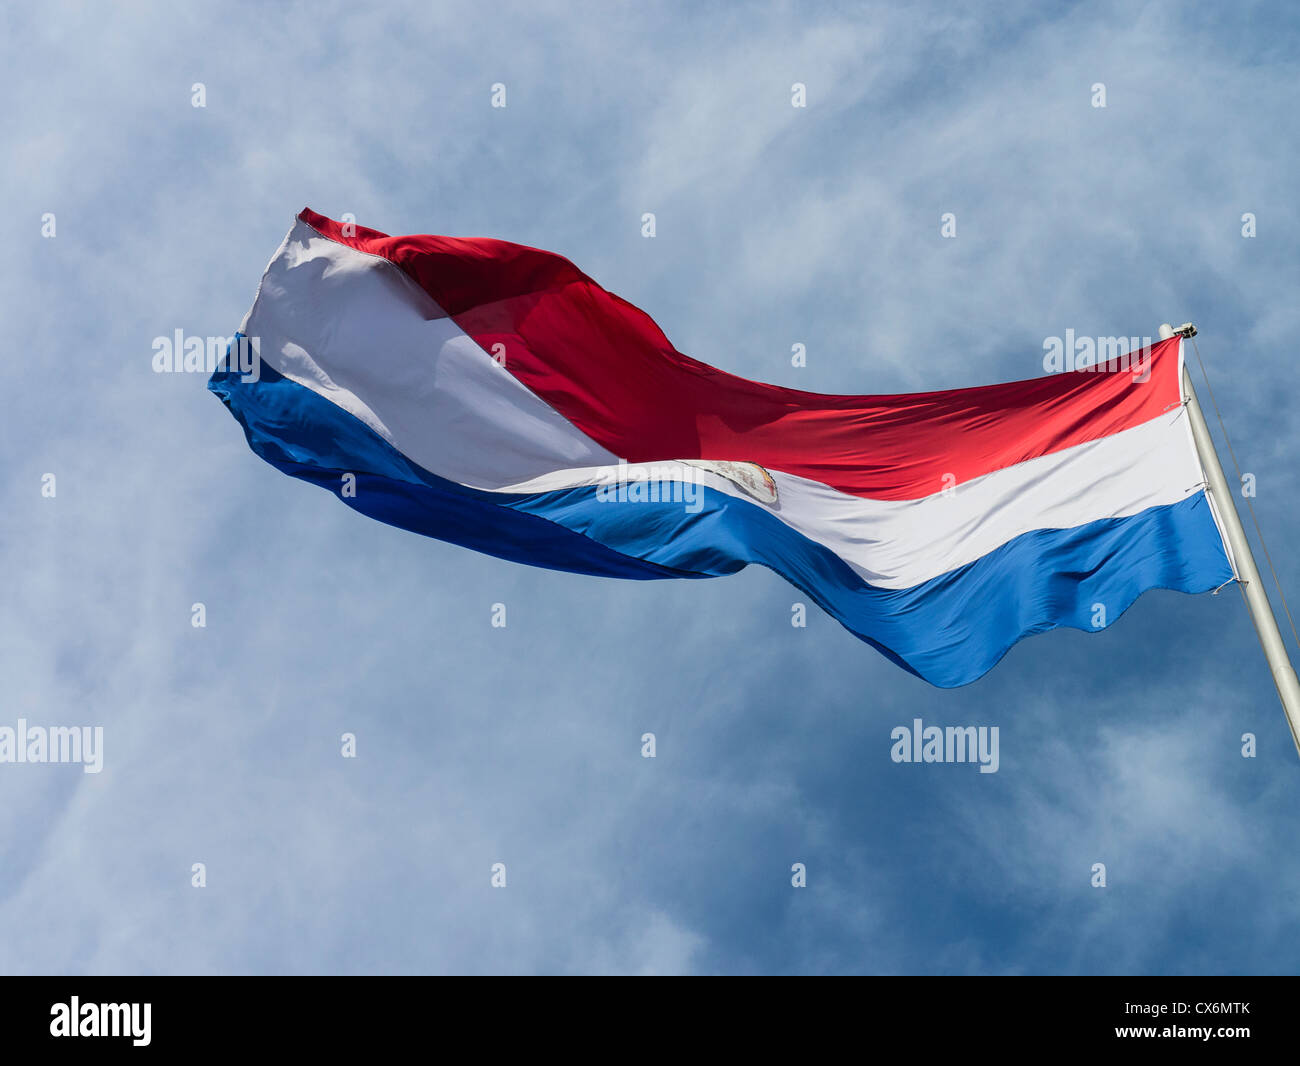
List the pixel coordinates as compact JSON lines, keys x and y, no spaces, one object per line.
{"x":607,"y":367}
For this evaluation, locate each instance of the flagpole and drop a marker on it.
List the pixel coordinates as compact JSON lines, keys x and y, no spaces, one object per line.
{"x":1221,"y":499}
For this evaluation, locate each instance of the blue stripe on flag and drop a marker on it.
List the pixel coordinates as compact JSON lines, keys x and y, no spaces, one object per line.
{"x":950,"y":630}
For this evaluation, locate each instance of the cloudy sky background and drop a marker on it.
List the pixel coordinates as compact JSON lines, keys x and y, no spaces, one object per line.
{"x":477,"y":745}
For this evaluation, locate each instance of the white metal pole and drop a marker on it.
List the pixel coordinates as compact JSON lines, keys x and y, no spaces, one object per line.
{"x":1221,"y":496}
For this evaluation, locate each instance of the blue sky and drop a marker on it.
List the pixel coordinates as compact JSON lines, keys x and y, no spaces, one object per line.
{"x":775,"y":225}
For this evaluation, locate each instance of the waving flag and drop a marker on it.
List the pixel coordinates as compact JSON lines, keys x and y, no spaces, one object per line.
{"x":494,"y":396}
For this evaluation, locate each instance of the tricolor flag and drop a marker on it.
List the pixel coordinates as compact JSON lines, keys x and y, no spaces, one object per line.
{"x":494,"y":396}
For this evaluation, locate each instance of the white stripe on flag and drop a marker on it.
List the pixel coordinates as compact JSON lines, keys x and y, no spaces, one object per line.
{"x":354,"y":329}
